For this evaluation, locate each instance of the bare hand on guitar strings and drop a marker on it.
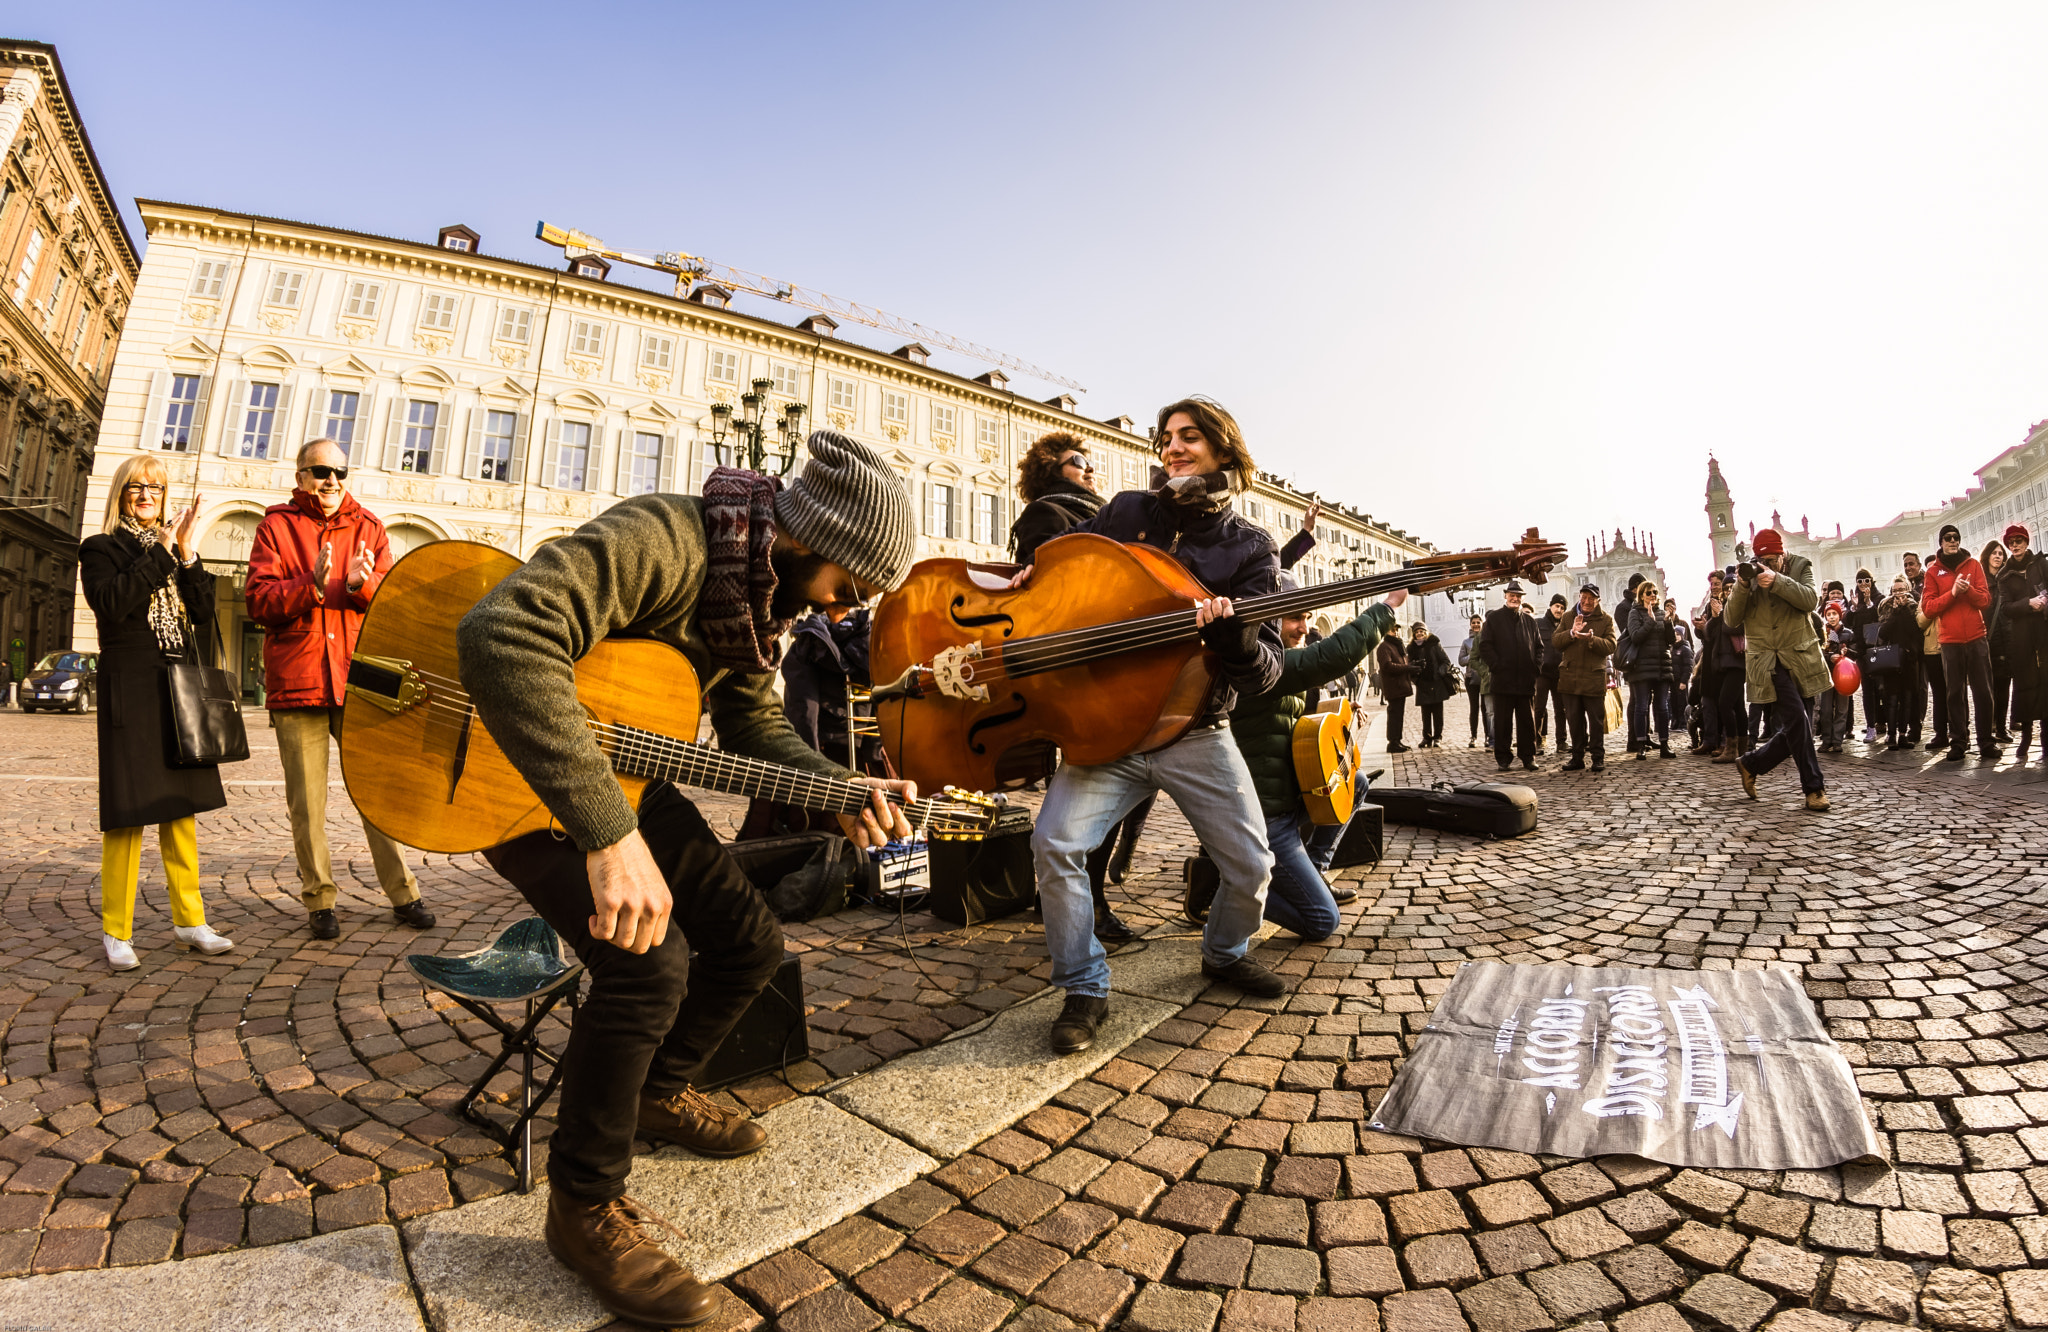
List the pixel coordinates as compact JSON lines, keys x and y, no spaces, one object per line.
{"x":867,"y":831}
{"x":630,"y":894}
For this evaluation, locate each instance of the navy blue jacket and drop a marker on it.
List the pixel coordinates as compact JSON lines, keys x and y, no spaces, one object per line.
{"x":1228,"y":556}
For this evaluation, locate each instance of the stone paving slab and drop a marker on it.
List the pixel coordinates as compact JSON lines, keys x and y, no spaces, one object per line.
{"x":952,"y":1096}
{"x":354,"y":1281}
{"x":821,"y":1165}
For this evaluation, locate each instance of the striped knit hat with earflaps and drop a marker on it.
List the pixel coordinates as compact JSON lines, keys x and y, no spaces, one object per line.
{"x":848,"y":505}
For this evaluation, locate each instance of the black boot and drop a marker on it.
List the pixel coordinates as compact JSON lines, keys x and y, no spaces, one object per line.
{"x":1080,"y":1018}
{"x":1133,"y":828}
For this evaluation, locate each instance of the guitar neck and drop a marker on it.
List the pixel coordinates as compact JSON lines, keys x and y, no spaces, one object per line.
{"x":637,"y":753}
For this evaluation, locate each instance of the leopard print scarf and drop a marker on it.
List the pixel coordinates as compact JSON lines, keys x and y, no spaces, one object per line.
{"x":166,"y":611}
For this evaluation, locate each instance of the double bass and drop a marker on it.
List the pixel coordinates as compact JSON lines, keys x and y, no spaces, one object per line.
{"x":1095,"y":658}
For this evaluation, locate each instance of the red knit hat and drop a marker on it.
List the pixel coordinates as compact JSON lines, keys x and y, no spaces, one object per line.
{"x":1768,"y":542}
{"x":2020,"y":531}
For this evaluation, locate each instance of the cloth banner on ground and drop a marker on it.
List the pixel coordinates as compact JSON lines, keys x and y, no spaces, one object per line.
{"x":1728,"y":1069}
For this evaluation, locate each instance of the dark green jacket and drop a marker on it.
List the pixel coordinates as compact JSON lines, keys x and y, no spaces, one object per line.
{"x":1264,"y":726}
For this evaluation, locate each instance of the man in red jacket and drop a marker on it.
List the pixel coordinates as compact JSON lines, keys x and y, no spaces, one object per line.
{"x":313,"y":568}
{"x":1956,"y":593}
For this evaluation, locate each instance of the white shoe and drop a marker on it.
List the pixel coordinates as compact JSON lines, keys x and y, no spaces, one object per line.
{"x":120,"y":953}
{"x":203,"y":938}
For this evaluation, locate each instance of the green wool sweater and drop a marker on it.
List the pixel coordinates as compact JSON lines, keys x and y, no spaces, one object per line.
{"x":636,"y":569}
{"x":1264,"y":726}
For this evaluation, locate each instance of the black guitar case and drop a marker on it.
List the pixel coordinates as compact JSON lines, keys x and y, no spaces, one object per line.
{"x":1483,"y":809}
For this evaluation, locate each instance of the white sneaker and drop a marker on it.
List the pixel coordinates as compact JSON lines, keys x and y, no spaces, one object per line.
{"x":120,"y":953}
{"x":203,"y":938}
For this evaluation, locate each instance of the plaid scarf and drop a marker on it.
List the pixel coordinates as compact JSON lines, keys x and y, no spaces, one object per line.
{"x":166,"y":611}
{"x":739,"y":584}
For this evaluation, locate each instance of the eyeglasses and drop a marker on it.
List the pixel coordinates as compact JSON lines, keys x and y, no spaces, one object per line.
{"x":321,"y":472}
{"x":138,"y":488}
{"x":1080,"y":460}
{"x":1864,"y":580}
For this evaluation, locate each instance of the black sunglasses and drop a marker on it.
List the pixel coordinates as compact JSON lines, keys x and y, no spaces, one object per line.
{"x":1079,"y":460}
{"x":321,"y":472}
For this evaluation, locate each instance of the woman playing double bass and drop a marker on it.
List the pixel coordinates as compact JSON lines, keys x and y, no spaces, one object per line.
{"x":1203,"y":462}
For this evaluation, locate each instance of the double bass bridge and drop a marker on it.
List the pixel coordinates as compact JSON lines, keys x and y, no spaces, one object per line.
{"x":953,"y":673}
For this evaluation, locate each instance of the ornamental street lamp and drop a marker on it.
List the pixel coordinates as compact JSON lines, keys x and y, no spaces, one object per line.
{"x":750,"y":447}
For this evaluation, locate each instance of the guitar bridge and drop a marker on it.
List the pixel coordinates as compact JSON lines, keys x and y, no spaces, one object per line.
{"x":386,"y":682}
{"x":953,"y":672}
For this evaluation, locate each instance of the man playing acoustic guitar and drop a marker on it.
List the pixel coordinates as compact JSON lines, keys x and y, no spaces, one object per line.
{"x":719,"y":578}
{"x":1203,"y":462}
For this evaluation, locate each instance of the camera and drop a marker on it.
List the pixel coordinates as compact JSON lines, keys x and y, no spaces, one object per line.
{"x":1746,"y":571}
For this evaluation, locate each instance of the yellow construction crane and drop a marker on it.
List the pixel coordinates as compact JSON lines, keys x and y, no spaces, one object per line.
{"x":689,"y":269}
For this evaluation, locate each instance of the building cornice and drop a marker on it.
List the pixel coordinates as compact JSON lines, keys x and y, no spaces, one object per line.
{"x":42,"y":57}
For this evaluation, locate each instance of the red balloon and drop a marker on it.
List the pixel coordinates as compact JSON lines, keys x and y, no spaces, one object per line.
{"x":1848,"y":679}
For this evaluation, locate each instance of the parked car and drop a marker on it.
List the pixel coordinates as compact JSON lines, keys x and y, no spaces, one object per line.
{"x":62,"y":682}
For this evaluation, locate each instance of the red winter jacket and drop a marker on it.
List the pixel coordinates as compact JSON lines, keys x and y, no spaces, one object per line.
{"x":308,"y":640}
{"x":1961,"y":617}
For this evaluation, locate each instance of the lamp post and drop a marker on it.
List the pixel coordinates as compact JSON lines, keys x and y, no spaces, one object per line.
{"x":750,"y":446}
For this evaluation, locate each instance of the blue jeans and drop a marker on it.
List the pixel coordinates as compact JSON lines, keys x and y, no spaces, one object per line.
{"x":1206,"y":776}
{"x":1299,"y":900}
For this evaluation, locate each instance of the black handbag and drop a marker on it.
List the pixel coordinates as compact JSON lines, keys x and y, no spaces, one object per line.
{"x":206,"y":708}
{"x":1887,"y":657}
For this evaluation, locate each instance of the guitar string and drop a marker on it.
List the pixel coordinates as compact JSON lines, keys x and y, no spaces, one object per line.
{"x":640,"y":746}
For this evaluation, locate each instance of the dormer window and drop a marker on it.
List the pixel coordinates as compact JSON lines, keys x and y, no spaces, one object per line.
{"x":459,"y":238}
{"x":712,"y":296}
{"x":915,"y":352}
{"x":590,"y":266}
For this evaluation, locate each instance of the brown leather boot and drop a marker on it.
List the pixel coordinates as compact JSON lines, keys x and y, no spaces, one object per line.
{"x":693,"y":1120}
{"x":1728,"y":753}
{"x":605,"y":1244}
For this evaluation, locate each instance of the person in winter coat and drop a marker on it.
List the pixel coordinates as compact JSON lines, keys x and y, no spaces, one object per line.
{"x":1898,"y":686}
{"x":1299,"y":899}
{"x":2023,"y":611}
{"x":1511,"y":646}
{"x":1057,"y":482}
{"x":1864,"y":622}
{"x":1396,"y":683}
{"x":1649,"y":672}
{"x":1772,"y":608}
{"x":1992,"y":559}
{"x":1956,"y":595}
{"x":154,"y":602}
{"x":1584,"y":643}
{"x":1725,"y":662}
{"x":1682,"y":668}
{"x":1835,"y":718}
{"x":1624,"y":658}
{"x":1478,"y":704}
{"x":316,"y":561}
{"x":1433,"y":684}
{"x":1547,"y":700}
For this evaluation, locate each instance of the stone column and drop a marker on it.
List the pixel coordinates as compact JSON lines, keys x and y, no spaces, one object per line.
{"x":16,"y":98}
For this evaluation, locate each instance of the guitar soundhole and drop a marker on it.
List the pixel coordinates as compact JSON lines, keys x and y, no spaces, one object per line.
{"x":977,"y":621}
{"x":994,"y":719}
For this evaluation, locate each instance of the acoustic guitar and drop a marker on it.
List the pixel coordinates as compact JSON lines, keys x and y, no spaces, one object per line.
{"x":426,"y":772}
{"x":1096,"y":657}
{"x":1326,"y":761}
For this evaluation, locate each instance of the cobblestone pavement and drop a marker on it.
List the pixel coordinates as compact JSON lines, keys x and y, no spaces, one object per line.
{"x":1216,"y":1173}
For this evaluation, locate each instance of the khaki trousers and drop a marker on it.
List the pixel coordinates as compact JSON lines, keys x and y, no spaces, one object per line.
{"x":302,"y":736}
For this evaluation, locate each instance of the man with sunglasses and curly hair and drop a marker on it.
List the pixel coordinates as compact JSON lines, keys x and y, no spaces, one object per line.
{"x":315,"y":563}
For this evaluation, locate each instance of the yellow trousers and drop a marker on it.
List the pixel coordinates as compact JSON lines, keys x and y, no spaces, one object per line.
{"x":121,"y":868}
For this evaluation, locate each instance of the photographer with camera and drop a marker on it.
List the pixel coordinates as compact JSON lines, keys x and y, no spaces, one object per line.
{"x":1772,"y":607}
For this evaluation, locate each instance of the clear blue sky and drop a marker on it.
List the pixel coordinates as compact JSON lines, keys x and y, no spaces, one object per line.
{"x":1471,"y":266}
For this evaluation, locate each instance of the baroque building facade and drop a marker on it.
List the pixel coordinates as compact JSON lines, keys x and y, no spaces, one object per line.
{"x":499,"y":401}
{"x":68,"y":267}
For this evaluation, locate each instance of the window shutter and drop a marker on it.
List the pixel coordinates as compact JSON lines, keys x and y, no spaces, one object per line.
{"x":517,"y":472}
{"x":551,"y":454}
{"x":926,"y":524}
{"x":231,"y":425}
{"x":600,"y":460}
{"x":667,"y":483}
{"x":199,"y":414}
{"x":622,"y":473}
{"x":473,"y":455}
{"x":437,"y":464}
{"x":153,"y":412}
{"x":361,"y":452}
{"x":953,"y":515}
{"x":280,"y":426}
{"x":394,"y":434}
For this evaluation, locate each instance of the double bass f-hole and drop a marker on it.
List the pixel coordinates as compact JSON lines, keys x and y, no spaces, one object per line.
{"x":977,"y":621}
{"x":994,"y":719}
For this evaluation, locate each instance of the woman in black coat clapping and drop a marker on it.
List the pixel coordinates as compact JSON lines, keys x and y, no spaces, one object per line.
{"x":154,"y":603}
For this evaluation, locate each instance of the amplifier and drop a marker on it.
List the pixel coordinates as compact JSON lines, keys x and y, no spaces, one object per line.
{"x":769,"y":1034}
{"x":1364,"y":839}
{"x":986,"y":880}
